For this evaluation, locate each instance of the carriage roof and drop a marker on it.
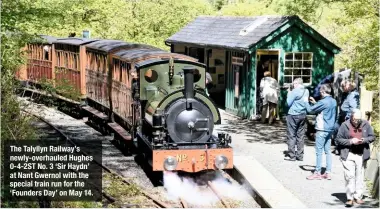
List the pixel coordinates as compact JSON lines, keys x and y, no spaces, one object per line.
{"x":74,"y":41}
{"x":149,"y":55}
{"x":110,"y":45}
{"x":43,"y":39}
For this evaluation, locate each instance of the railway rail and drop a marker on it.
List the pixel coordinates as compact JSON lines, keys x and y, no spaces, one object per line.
{"x":107,"y":196}
{"x":156,"y":202}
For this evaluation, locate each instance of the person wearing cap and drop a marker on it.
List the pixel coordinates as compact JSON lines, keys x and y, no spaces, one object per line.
{"x":325,"y":121}
{"x":353,"y":138}
{"x":269,"y":90}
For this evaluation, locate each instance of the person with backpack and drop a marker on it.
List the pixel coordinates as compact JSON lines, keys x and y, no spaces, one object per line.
{"x":269,"y":91}
{"x":297,"y":100}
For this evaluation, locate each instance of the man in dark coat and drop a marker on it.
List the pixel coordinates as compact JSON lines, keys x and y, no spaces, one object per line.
{"x":354,"y":137}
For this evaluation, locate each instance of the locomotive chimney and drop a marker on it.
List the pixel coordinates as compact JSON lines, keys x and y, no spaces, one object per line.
{"x":189,"y":81}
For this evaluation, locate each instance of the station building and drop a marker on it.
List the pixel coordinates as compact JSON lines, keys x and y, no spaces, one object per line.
{"x":237,"y":51}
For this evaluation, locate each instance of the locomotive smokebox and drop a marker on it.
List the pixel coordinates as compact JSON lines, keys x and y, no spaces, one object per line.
{"x":189,"y":81}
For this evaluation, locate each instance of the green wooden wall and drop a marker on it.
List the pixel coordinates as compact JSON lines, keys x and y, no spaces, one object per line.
{"x":289,"y":39}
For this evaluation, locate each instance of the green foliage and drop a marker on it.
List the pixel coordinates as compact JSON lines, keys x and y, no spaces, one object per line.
{"x":13,"y":124}
{"x":353,"y":25}
{"x":249,"y":8}
{"x":152,"y":22}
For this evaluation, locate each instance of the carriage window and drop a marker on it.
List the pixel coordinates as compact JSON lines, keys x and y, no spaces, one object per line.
{"x":298,"y":65}
{"x":58,"y":59}
{"x":46,"y":52}
{"x":75,"y":62}
{"x":66,"y":62}
{"x":151,"y":76}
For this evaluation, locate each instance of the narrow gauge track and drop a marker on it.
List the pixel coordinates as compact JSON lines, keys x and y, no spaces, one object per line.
{"x":156,"y":202}
{"x":107,"y":196}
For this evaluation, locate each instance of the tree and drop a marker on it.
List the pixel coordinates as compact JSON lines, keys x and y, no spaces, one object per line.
{"x":249,"y":8}
{"x":152,"y":22}
{"x":13,"y":37}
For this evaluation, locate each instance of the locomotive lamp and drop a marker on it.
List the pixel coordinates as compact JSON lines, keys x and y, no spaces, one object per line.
{"x":170,"y":163}
{"x":221,"y":161}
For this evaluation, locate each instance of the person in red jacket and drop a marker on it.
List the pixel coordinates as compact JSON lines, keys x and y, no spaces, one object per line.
{"x":353,"y":138}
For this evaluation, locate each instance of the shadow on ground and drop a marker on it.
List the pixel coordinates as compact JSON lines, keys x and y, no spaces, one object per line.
{"x":255,"y":131}
{"x":341,"y":200}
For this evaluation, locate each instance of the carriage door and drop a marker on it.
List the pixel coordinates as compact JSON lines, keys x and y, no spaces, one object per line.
{"x":234,"y":85}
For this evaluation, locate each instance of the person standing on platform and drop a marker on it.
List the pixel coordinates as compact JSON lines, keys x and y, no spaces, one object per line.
{"x":297,"y":100}
{"x":325,"y":121}
{"x":352,"y":101}
{"x":269,"y":90}
{"x":327,"y":80}
{"x":354,"y":137}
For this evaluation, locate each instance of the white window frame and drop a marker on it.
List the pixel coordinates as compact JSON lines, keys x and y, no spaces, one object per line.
{"x":298,"y":68}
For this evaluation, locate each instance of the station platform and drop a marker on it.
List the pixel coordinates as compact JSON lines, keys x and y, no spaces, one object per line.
{"x":259,"y":156}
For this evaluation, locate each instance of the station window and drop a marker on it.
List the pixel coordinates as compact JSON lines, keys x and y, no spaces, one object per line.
{"x":298,"y":65}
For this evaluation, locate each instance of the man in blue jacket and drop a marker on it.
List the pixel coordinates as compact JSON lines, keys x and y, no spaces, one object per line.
{"x":325,"y":121}
{"x":296,"y":119}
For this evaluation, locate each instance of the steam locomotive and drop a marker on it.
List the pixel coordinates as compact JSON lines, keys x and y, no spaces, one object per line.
{"x":151,"y":99}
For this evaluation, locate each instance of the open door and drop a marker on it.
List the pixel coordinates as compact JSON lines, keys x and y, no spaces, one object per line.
{"x":267,"y":60}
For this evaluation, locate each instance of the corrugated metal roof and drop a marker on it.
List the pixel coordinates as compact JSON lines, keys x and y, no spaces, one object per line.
{"x":74,"y":41}
{"x":228,"y":32}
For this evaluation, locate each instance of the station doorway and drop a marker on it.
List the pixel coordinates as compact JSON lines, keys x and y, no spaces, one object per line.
{"x":267,"y":60}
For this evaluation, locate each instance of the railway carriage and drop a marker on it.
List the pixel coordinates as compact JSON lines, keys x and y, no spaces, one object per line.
{"x":149,"y":98}
{"x":39,"y":64}
{"x":70,"y":64}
